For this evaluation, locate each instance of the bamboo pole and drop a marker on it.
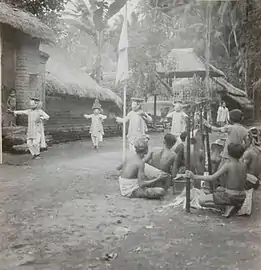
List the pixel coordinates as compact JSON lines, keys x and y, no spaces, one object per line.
{"x":124,"y":122}
{"x":1,"y":120}
{"x":209,"y":94}
{"x":155,"y":111}
{"x":188,"y":163}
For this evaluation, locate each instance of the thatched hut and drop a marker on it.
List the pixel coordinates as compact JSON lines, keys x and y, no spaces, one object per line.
{"x":22,"y":66}
{"x":20,"y":37}
{"x":70,"y":93}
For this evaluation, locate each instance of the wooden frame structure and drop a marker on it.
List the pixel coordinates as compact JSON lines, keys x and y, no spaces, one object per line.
{"x":206,"y":72}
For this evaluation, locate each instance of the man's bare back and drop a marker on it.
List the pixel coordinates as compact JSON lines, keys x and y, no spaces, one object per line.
{"x":236,"y":175}
{"x":132,"y":178}
{"x":163,"y":160}
{"x":252,"y":159}
{"x":131,"y":167}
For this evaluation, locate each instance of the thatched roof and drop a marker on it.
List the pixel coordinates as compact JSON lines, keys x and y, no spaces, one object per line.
{"x":234,"y":93}
{"x":64,"y":77}
{"x":229,"y":88}
{"x":25,"y":22}
{"x":187,"y":64}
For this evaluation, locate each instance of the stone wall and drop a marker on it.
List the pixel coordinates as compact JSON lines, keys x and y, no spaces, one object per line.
{"x":66,"y":117}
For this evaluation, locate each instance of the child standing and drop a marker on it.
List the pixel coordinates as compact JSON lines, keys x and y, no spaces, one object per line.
{"x":96,"y":129}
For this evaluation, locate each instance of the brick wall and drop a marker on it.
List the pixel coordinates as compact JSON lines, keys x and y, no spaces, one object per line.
{"x":8,"y":62}
{"x":66,"y":117}
{"x":27,"y":69}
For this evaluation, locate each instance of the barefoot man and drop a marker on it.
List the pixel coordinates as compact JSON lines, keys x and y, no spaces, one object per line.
{"x":232,"y":195}
{"x":132,"y":179}
{"x":137,"y":123}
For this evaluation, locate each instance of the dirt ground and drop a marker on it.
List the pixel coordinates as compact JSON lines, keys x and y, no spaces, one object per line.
{"x":65,"y":212}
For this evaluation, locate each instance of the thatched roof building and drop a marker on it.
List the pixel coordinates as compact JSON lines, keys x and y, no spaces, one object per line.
{"x":25,"y":22}
{"x":64,"y":77}
{"x":21,"y":35}
{"x":186,"y":64}
{"x":233,"y":94}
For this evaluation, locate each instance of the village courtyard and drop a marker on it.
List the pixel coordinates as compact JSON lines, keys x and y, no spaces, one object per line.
{"x":66,"y":212}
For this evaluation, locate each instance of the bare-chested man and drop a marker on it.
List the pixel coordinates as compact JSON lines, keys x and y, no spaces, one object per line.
{"x":232,"y":195}
{"x":237,"y":134}
{"x":132,"y":180}
{"x":164,"y":159}
{"x":180,"y":151}
{"x":252,"y":159}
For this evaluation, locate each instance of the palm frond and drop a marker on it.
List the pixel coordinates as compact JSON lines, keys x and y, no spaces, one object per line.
{"x":81,"y":26}
{"x":115,"y":7}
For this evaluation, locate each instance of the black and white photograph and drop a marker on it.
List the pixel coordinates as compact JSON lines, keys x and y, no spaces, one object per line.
{"x":130,"y":134}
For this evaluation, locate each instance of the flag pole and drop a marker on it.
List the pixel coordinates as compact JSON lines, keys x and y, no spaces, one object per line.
{"x":124,"y":122}
{"x":1,"y":141}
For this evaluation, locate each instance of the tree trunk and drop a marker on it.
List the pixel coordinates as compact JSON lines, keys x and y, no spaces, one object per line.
{"x":97,"y":72}
{"x":257,"y":105}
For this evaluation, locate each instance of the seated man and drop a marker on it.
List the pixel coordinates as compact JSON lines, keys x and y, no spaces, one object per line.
{"x":233,"y":195}
{"x":216,"y":150}
{"x":252,"y":159}
{"x":132,"y":178}
{"x":180,"y":151}
{"x":164,"y":159}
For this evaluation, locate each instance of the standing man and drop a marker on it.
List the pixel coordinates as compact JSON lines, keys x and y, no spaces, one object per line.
{"x":178,"y":126}
{"x":34,"y":130}
{"x":222,"y":115}
{"x":137,"y":122}
{"x":96,"y":128}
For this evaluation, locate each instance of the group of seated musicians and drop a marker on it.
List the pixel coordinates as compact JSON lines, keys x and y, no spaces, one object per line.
{"x":238,"y":168}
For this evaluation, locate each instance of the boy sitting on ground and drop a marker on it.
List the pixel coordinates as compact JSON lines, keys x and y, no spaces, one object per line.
{"x":232,"y":195}
{"x":132,"y":179}
{"x":164,"y":159}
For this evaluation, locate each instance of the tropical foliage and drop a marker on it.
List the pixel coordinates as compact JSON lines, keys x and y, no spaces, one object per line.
{"x":235,"y":39}
{"x":91,"y":18}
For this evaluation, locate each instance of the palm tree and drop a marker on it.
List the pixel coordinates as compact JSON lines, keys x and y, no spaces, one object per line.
{"x":91,"y":18}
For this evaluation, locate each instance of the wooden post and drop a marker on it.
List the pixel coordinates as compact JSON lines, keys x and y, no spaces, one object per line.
{"x":188,"y":163}
{"x":155,"y":111}
{"x":124,"y":122}
{"x":202,"y":130}
{"x":208,"y":146}
{"x":193,"y":121}
{"x":1,"y":120}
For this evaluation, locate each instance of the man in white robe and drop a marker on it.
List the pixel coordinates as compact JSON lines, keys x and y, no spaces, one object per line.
{"x":137,"y":123}
{"x":96,"y":129}
{"x":34,"y":130}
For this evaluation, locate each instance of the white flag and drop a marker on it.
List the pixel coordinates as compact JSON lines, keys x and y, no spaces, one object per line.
{"x":123,"y":62}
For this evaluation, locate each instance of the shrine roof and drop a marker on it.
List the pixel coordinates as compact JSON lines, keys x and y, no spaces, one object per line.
{"x":184,"y":63}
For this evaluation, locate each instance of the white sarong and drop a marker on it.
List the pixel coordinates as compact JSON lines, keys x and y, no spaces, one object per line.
{"x":127,"y":186}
